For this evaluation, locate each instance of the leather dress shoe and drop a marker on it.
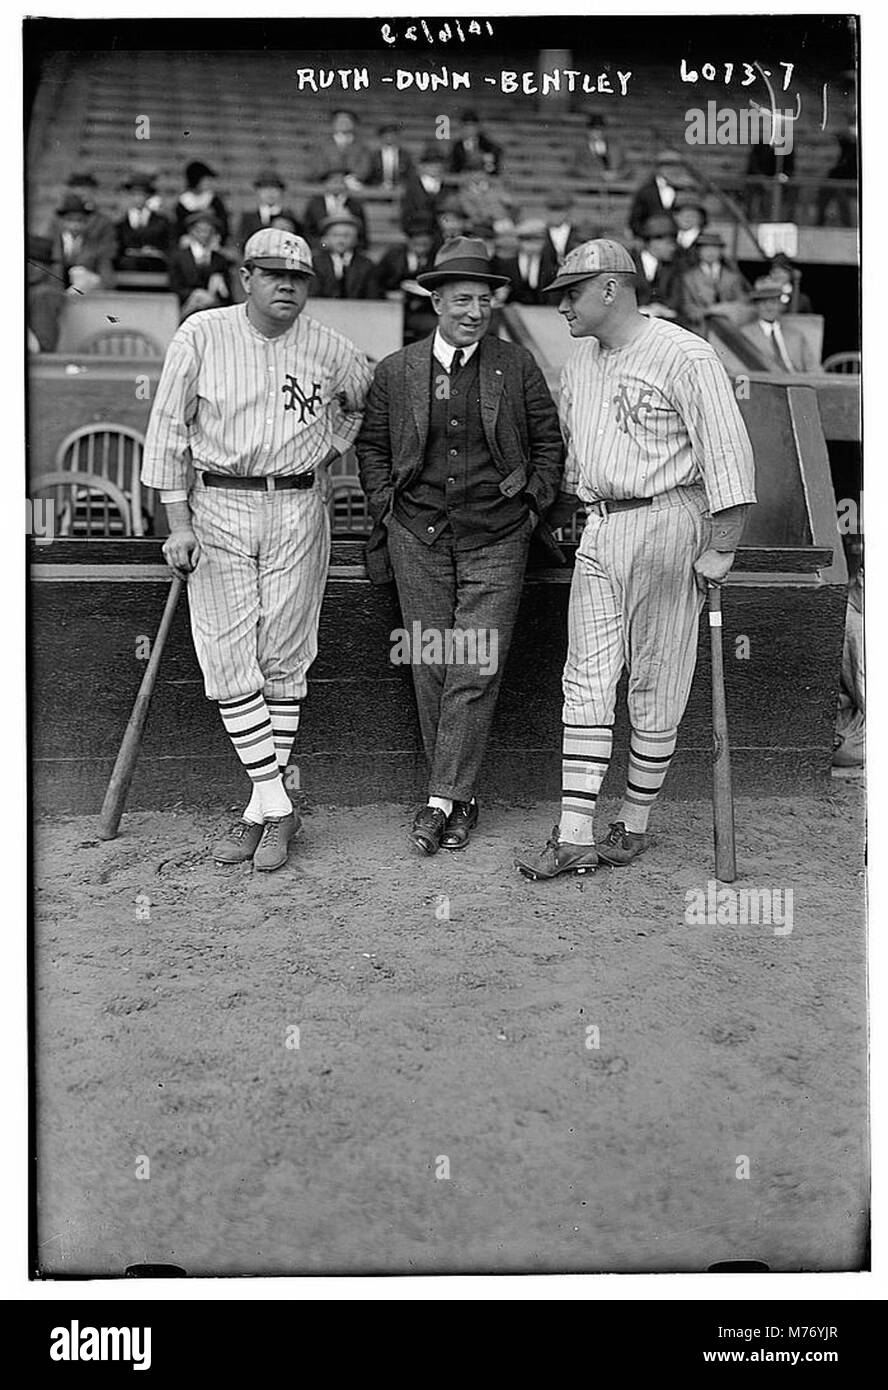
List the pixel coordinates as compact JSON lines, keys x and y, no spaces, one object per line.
{"x":276,"y":836}
{"x":460,"y":824}
{"x":427,"y":829}
{"x":239,"y":844}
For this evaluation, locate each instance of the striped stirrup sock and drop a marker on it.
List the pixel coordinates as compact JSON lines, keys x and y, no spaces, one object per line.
{"x":248,"y":725}
{"x":586,"y":753}
{"x":649,"y":759}
{"x":284,"y":715}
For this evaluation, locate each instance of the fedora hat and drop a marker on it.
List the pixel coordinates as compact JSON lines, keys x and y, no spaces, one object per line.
{"x":203,"y":215}
{"x":767,"y":287}
{"x":268,"y":178}
{"x":461,"y":258}
{"x":72,"y":203}
{"x":337,"y":219}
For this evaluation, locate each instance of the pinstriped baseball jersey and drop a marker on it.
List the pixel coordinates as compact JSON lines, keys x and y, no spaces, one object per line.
{"x":652,"y":416}
{"x":233,"y":401}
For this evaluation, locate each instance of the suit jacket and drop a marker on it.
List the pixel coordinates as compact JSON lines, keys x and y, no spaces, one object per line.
{"x":574,"y":238}
{"x":392,"y":268}
{"x":98,"y":247}
{"x":665,"y":288}
{"x":800,"y":353}
{"x":216,"y":206}
{"x":416,"y":202}
{"x":251,"y":222}
{"x":373,"y":173}
{"x":520,"y":424}
{"x":699,"y":293}
{"x":520,"y":291}
{"x":349,"y":159}
{"x":462,"y":159}
{"x":586,"y":164}
{"x":645,"y":204}
{"x":358,"y":282}
{"x":316,"y":213}
{"x":157,"y":233}
{"x":186,"y":275}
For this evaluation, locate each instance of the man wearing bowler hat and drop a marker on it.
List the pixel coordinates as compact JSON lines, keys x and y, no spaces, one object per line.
{"x":710,"y":283}
{"x":198,"y":270}
{"x":269,"y":188}
{"x":144,"y":235}
{"x":254,"y":403}
{"x":460,"y":455}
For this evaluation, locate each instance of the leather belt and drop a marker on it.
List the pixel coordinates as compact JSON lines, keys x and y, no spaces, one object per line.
{"x":270,"y":482}
{"x":616,"y":504}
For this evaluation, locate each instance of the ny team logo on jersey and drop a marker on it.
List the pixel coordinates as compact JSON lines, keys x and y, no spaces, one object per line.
{"x":297,"y":397}
{"x":629,"y":412}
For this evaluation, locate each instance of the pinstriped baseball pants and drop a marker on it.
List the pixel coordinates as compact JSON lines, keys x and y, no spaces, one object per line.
{"x":634,"y":602}
{"x":255,"y":596}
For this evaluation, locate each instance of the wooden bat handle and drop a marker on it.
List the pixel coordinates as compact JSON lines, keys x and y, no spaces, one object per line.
{"x":125,"y":764}
{"x":722,"y":793}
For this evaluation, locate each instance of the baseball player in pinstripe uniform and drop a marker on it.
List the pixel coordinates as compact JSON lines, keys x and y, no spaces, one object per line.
{"x":253,"y":404}
{"x":659,"y":457}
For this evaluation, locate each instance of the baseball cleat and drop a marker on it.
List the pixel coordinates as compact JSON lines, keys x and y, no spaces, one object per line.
{"x":558,"y":858}
{"x":620,"y":846}
{"x":460,"y":824}
{"x":427,"y":829}
{"x":276,"y":836}
{"x":239,"y":844}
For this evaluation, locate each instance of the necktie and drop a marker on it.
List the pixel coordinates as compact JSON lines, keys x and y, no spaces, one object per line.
{"x":780,"y":352}
{"x":456,"y":361}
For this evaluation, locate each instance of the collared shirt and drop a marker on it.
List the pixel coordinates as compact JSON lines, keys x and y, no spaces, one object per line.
{"x":267,"y":212}
{"x":559,"y":237}
{"x":233,"y":401}
{"x":389,"y":164}
{"x":529,"y":269}
{"x":775,"y":333}
{"x":444,"y":351}
{"x":667,"y":192}
{"x":655,"y":415}
{"x":687,"y":236}
{"x":138,"y":217}
{"x":650,"y":265}
{"x":429,"y":184}
{"x":341,"y":262}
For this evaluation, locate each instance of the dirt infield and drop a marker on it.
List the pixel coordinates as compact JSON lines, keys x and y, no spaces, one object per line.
{"x":447,"y":1012}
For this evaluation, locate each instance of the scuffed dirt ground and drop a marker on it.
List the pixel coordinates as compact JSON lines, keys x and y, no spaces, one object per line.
{"x":442,"y":1008}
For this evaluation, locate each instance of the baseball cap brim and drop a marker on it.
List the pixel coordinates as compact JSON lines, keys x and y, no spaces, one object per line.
{"x":562,"y":282}
{"x":280,"y":263}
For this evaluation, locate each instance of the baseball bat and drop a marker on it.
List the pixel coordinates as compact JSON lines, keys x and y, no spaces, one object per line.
{"x":722,"y":796}
{"x":125,"y":764}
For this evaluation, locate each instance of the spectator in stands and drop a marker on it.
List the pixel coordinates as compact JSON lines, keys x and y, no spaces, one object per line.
{"x":100,"y":229}
{"x":81,"y":261}
{"x":532,"y":267}
{"x":785,"y":270}
{"x":658,"y":283}
{"x":474,"y":150}
{"x":341,"y":149}
{"x":199,"y":195}
{"x":389,"y":165}
{"x":341,"y":270}
{"x":561,"y":227}
{"x":287,"y":222}
{"x":691,"y":216}
{"x":845,"y":167}
{"x":334,"y":199}
{"x":598,"y":158}
{"x":709,"y":284}
{"x":397,"y":272}
{"x":657,"y":194}
{"x":144,"y":236}
{"x":771,"y":173}
{"x":198,"y":270}
{"x":486,"y":199}
{"x":269,"y":188}
{"x":451,"y":220}
{"x":46,"y":296}
{"x":783,"y":344}
{"x":424,"y":190}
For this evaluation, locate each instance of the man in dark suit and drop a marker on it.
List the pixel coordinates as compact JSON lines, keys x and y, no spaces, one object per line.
{"x":341,"y":270}
{"x":342,"y":149}
{"x":269,"y":188}
{"x":709,"y":284}
{"x":198,"y":270}
{"x":144,"y":237}
{"x":474,"y":150}
{"x":334,"y":199}
{"x":397,"y":272}
{"x":389,"y":164}
{"x":658,"y":282}
{"x":80,"y":257}
{"x":598,"y":157}
{"x":562,"y":229}
{"x":424,"y":190}
{"x":460,"y":454}
{"x":657,"y":194}
{"x":532,"y":267}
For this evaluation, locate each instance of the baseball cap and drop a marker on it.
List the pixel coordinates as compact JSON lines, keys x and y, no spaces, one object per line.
{"x":591,"y":258}
{"x":274,"y":249}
